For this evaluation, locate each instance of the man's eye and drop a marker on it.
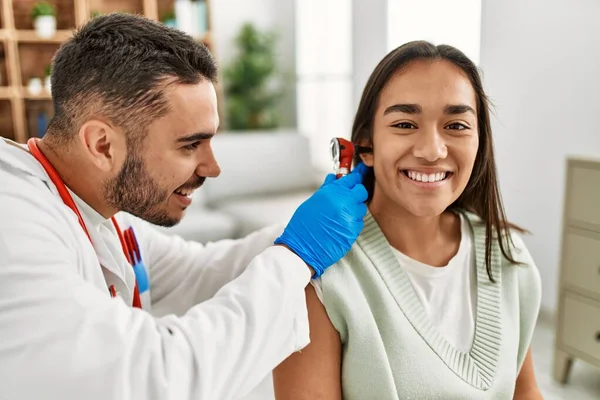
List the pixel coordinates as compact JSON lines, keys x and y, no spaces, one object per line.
{"x":192,"y":146}
{"x":404,"y":125}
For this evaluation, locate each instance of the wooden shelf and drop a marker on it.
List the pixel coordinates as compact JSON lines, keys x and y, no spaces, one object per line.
{"x":7,"y":92}
{"x":29,"y":96}
{"x":26,"y":53}
{"x":29,"y":36}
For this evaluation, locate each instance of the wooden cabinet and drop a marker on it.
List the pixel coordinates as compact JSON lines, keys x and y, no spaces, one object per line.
{"x":578,"y":327}
{"x":24,"y":55}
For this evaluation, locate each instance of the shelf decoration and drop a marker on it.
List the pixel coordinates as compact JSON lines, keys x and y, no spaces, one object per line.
{"x":35,"y":86}
{"x":47,"y":82}
{"x":43,"y":15}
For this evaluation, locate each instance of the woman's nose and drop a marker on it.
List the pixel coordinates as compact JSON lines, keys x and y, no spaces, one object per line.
{"x":430,"y":145}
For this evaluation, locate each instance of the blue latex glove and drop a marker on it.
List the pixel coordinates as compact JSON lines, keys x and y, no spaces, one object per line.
{"x":326,"y":225}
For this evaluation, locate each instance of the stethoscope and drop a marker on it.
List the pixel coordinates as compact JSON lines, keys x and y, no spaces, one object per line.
{"x":127,"y":238}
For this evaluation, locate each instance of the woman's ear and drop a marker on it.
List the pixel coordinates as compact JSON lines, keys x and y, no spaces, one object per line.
{"x":366,"y":157}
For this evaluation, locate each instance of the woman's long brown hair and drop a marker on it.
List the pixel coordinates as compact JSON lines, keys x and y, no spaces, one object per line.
{"x":481,"y":195}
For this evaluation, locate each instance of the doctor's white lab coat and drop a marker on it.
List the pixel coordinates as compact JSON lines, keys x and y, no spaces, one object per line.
{"x":216,"y":319}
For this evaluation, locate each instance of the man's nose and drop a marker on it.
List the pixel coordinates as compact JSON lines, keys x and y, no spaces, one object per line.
{"x":430,"y":145}
{"x":208,"y":166}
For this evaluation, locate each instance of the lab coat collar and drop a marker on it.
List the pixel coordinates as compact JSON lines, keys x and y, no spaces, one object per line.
{"x":108,"y":249}
{"x":17,"y":155}
{"x":94,"y":217}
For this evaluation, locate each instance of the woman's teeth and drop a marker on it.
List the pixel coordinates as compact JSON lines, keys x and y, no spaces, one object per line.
{"x":421,"y":177}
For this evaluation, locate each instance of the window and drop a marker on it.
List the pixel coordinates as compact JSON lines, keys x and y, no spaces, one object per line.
{"x":324,"y":73}
{"x":339,"y":42}
{"x":456,"y":22}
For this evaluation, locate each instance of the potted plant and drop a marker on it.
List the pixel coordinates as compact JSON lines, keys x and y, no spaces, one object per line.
{"x":43,"y":15}
{"x":251,"y":91}
{"x":47,"y":82}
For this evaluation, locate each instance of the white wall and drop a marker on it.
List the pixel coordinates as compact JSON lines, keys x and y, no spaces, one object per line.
{"x":541,"y":66}
{"x":435,"y":21}
{"x":227,"y":18}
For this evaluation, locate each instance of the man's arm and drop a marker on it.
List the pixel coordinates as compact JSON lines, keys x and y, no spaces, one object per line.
{"x":185,"y":273}
{"x":314,"y":372}
{"x":63,"y":337}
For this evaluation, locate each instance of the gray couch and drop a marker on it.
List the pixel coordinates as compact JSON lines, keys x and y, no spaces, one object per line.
{"x":264,"y":177}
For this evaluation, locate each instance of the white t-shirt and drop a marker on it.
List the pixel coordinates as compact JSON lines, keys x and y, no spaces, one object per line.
{"x":448,"y":294}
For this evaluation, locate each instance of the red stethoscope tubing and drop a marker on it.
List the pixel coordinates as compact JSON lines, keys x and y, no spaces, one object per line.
{"x":69,"y":202}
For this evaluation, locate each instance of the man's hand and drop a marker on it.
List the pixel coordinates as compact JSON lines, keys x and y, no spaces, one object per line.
{"x":325,"y":226}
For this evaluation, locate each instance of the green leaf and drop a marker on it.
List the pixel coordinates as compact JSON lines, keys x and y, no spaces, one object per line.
{"x":42,"y":8}
{"x":251,"y":95}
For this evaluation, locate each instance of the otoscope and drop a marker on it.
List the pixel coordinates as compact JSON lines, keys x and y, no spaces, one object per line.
{"x":342,"y":153}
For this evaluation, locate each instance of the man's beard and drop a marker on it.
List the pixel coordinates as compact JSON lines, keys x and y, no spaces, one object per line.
{"x":134,"y":191}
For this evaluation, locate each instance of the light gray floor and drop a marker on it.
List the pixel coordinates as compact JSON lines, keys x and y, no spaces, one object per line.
{"x":584,"y":380}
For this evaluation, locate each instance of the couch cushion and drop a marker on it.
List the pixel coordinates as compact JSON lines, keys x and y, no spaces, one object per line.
{"x":204,"y":225}
{"x":253,"y":213}
{"x":259,"y":163}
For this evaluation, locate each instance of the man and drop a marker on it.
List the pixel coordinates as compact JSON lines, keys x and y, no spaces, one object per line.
{"x":134,"y":111}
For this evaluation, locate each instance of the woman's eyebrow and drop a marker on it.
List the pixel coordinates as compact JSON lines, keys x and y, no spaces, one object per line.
{"x":452,"y":109}
{"x":403,"y":108}
{"x":458,"y":109}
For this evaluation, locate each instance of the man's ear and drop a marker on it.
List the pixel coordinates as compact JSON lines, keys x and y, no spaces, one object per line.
{"x":103,"y":144}
{"x":367,"y":158}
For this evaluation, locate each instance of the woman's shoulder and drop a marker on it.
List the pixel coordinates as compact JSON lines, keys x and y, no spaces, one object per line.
{"x":343,"y":276}
{"x":529,"y":275}
{"x":529,"y":289}
{"x":344,"y":289}
{"x":348,"y":282}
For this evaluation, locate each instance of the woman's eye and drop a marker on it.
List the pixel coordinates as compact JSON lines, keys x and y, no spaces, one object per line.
{"x":457,"y":126}
{"x":404,"y":125}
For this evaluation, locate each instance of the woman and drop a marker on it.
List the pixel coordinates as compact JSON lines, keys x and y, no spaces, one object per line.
{"x":439,"y":297}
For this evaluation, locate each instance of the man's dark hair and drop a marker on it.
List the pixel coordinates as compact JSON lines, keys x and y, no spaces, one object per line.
{"x":116,"y":66}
